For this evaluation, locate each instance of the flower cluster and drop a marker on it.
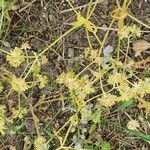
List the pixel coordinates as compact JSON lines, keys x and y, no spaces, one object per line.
{"x":18,"y":112}
{"x":142,"y":87}
{"x":131,"y":30}
{"x":18,"y":84}
{"x":133,"y":124}
{"x":92,"y":54}
{"x":43,"y":80}
{"x":144,"y":104}
{"x":79,"y":87}
{"x":40,"y":143}
{"x":117,"y":78}
{"x":108,"y":100}
{"x":44,"y":60}
{"x":16,"y":57}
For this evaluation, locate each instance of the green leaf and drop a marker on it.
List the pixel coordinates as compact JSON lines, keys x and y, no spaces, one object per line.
{"x":6,"y":15}
{"x":92,"y":129}
{"x":90,"y":147}
{"x":143,"y":136}
{"x":124,"y":105}
{"x":2,"y":4}
{"x":105,"y":145}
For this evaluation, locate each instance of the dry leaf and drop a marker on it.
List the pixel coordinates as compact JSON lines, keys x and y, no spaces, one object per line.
{"x":140,"y":46}
{"x":27,"y":143}
{"x":142,"y":62}
{"x":30,"y":126}
{"x":12,"y":147}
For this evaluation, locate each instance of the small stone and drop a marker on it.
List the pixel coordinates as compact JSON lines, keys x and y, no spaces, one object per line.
{"x":70,"y":52}
{"x":6,"y":44}
{"x":56,"y":126}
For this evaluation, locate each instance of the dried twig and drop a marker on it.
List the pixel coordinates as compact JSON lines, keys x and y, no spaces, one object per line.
{"x":28,"y":5}
{"x":79,"y":7}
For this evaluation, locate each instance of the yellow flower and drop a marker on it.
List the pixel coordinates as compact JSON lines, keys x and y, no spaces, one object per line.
{"x":131,"y":30}
{"x":68,"y":79}
{"x":135,"y":30}
{"x":133,"y":124}
{"x":124,"y":32}
{"x":92,"y":54}
{"x":142,"y":87}
{"x":16,"y":57}
{"x":80,"y":87}
{"x":117,"y":78}
{"x":18,"y":84}
{"x":36,"y":69}
{"x":144,"y":104}
{"x":25,"y":46}
{"x":19,"y":112}
{"x":98,"y":75}
{"x":40,"y":143}
{"x":108,"y":101}
{"x":44,"y":60}
{"x":43,"y":81}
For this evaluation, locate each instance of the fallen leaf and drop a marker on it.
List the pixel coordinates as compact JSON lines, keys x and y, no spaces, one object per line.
{"x":142,"y":62}
{"x":140,"y":46}
{"x":30,"y":126}
{"x":12,"y":147}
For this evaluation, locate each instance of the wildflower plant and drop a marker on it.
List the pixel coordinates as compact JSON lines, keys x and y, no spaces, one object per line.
{"x":18,"y":84}
{"x":43,"y":80}
{"x":129,"y":31}
{"x":40,"y":143}
{"x":16,"y":57}
{"x":79,"y":88}
{"x":18,"y":113}
{"x":133,"y":125}
{"x":102,"y":81}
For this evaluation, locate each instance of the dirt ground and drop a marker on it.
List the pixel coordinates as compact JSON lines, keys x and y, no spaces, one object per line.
{"x":39,"y":23}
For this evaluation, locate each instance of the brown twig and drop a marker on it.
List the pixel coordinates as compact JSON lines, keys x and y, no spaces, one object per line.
{"x":28,"y":5}
{"x":79,"y":7}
